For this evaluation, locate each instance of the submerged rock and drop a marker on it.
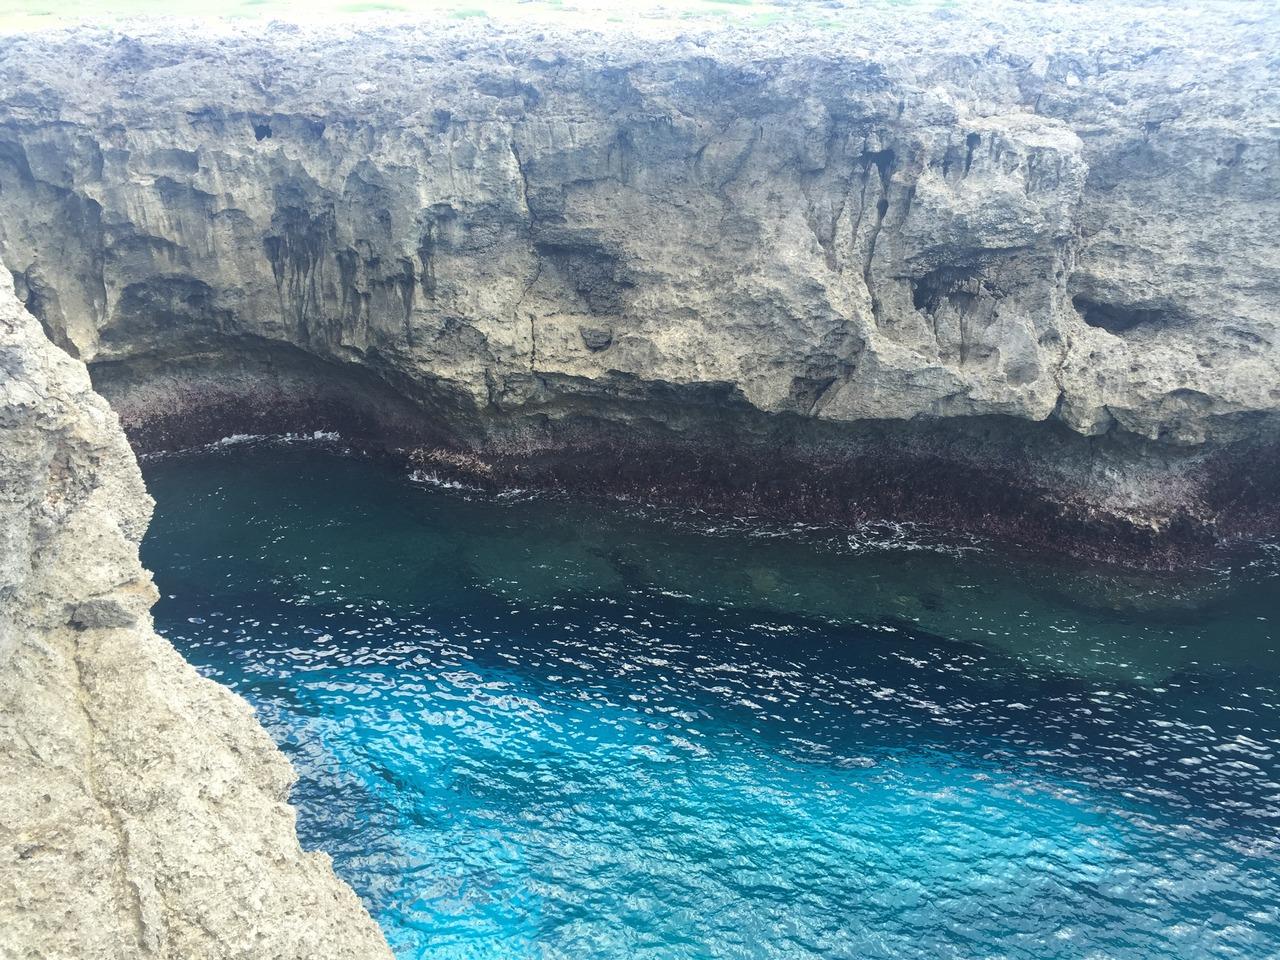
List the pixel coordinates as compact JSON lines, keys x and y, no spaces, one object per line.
{"x":143,"y":810}
{"x":1035,"y":252}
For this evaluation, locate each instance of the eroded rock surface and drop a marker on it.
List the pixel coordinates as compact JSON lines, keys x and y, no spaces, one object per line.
{"x":1060,"y":217}
{"x":143,"y":810}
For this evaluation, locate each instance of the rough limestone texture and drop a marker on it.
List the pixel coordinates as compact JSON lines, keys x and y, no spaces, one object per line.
{"x":143,"y":810}
{"x":1062,"y":216}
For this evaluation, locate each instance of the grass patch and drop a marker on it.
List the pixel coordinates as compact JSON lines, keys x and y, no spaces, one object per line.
{"x":369,"y":6}
{"x":17,"y":15}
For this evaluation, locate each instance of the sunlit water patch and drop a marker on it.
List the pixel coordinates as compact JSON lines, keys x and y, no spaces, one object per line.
{"x":528,"y":728}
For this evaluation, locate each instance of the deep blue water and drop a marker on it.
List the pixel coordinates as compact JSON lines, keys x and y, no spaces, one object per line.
{"x":529,"y":728}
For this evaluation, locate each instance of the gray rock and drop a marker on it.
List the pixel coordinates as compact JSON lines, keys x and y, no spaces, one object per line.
{"x":99,"y":613}
{"x":1043,"y":216}
{"x":143,"y":810}
{"x":596,"y":338}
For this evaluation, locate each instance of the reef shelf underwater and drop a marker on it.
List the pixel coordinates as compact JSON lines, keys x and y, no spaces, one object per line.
{"x":712,"y":479}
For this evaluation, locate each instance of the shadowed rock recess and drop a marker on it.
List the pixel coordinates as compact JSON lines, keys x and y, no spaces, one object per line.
{"x":143,"y":810}
{"x":1015,"y":276}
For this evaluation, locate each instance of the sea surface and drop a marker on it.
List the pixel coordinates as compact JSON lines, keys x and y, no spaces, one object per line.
{"x":533,"y":728}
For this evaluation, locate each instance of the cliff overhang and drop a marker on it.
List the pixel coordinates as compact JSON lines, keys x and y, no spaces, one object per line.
{"x":1014,"y":276}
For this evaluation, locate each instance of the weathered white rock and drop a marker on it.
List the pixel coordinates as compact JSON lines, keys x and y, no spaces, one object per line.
{"x":143,"y":811}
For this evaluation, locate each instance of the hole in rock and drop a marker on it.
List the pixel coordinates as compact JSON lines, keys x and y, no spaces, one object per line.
{"x":970,"y":144}
{"x":1115,"y":318}
{"x":960,"y":285}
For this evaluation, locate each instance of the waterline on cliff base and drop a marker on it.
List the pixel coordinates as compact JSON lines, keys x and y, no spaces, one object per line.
{"x":536,"y":728}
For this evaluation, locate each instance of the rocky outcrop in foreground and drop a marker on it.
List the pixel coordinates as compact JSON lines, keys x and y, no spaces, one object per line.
{"x":1018,"y":274}
{"x":143,"y":811}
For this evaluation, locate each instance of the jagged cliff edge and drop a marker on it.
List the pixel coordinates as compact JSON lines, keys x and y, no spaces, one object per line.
{"x":143,"y":810}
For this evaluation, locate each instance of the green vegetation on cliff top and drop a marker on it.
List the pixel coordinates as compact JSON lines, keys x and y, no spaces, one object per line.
{"x":26,"y":15}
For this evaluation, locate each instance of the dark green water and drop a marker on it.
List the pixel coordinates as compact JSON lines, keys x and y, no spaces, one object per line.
{"x":529,"y":728}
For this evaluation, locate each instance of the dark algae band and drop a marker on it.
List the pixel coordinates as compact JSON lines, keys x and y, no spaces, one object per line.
{"x":1112,"y":499}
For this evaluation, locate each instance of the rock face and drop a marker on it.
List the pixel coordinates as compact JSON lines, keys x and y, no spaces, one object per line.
{"x":142,"y":809}
{"x":933,"y":256}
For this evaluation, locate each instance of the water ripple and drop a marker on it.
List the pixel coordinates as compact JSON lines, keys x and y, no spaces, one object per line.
{"x":525,"y":731}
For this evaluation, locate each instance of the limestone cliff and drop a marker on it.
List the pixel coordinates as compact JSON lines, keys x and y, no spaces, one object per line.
{"x":143,"y":811}
{"x":920,"y":258}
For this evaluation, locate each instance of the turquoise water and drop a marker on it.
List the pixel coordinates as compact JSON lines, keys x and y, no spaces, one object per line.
{"x":529,"y":728}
